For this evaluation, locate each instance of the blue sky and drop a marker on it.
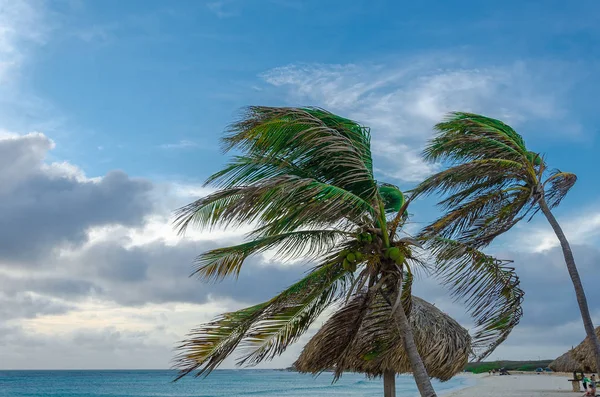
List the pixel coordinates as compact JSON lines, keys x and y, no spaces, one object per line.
{"x":118,"y":106}
{"x":132,"y":76}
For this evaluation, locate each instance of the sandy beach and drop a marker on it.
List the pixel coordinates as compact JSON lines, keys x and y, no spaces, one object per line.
{"x":519,"y":385}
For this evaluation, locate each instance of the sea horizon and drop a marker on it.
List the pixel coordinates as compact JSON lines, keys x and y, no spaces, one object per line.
{"x":222,"y":382}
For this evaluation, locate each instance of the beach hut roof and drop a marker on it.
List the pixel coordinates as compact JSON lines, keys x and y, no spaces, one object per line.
{"x":585,"y":355}
{"x":566,"y":363}
{"x":444,"y":345}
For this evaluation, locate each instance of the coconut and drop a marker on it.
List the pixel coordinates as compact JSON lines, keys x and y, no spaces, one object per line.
{"x":393,"y":253}
{"x":351,"y":257}
{"x":346,"y":265}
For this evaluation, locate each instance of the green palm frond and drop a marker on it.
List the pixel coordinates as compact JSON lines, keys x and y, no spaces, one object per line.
{"x":487,"y":285}
{"x":480,"y":217}
{"x":393,"y":198}
{"x":309,"y":244}
{"x":272,"y":336}
{"x":253,"y":168}
{"x":468,"y":136}
{"x":285,"y":203}
{"x":472,"y":177}
{"x":209,"y":345}
{"x":332,"y":149}
{"x":264,"y":330}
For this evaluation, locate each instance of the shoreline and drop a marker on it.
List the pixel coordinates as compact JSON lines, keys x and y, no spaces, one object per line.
{"x":473,"y":380}
{"x":518,"y":384}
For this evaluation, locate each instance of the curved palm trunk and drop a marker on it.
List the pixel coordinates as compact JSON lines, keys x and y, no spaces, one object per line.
{"x":389,"y":384}
{"x":579,"y":292}
{"x":418,"y":368}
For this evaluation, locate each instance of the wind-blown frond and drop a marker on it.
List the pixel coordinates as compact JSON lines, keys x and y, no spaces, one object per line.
{"x":330,"y":148}
{"x":285,"y":203}
{"x":489,"y":288}
{"x":310,"y":244}
{"x":471,"y":177}
{"x":264,"y":330}
{"x":468,"y":136}
{"x":559,"y":185}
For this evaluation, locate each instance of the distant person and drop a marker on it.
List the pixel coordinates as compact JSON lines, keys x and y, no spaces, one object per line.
{"x":591,"y":386}
{"x":585,"y":382}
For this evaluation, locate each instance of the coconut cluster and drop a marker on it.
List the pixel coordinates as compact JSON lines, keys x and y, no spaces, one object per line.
{"x":395,"y":254}
{"x":353,"y":256}
{"x":351,"y":259}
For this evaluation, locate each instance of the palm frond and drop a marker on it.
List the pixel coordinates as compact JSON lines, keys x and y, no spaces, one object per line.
{"x":472,"y":176}
{"x":489,"y":288}
{"x":286,"y":203}
{"x":298,"y":307}
{"x":467,"y":136}
{"x":559,"y":185}
{"x":311,"y":244}
{"x":209,"y":345}
{"x":329,"y":147}
{"x":264,"y":330}
{"x":393,"y":198}
{"x":482,"y":216}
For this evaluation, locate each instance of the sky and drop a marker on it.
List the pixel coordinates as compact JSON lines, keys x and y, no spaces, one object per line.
{"x":110,"y":118}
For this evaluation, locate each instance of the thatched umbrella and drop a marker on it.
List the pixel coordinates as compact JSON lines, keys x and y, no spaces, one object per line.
{"x":444,"y":345}
{"x":585,"y":355}
{"x":566,"y":363}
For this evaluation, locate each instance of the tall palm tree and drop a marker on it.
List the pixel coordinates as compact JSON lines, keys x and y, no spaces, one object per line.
{"x":303,"y":178}
{"x":493,"y":182}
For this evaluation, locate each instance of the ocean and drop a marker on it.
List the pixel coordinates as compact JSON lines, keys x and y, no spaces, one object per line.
{"x":221,"y":383}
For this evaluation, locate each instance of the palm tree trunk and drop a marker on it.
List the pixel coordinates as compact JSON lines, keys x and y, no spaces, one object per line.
{"x":579,"y":292}
{"x":418,"y":368}
{"x":389,"y":384}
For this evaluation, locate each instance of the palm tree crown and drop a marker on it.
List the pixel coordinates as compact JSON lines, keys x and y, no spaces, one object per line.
{"x":303,"y":178}
{"x":492,"y":181}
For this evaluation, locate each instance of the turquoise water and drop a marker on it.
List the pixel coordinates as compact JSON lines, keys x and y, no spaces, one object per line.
{"x":221,"y":383}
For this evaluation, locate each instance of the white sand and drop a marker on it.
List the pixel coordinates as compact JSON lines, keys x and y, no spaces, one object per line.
{"x":522,"y":385}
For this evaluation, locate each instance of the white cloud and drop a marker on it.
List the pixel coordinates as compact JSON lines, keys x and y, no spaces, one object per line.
{"x":402,"y":101}
{"x":20,"y":24}
{"x":580,"y":228}
{"x":24,"y":27}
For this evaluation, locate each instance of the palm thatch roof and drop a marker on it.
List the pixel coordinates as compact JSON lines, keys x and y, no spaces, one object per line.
{"x":566,"y":363}
{"x":585,"y":355}
{"x":444,"y":345}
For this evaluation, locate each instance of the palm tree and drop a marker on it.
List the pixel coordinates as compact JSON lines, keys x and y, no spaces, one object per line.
{"x":493,"y":182}
{"x":303,"y":178}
